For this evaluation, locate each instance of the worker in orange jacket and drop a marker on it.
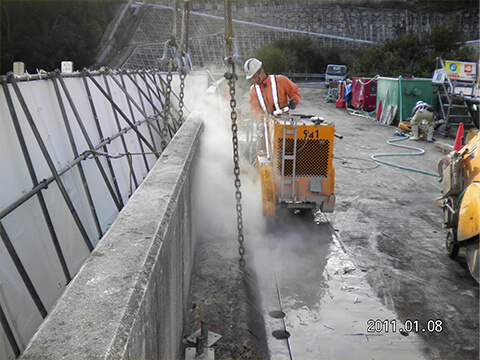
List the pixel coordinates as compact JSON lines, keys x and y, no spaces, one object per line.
{"x":270,"y":94}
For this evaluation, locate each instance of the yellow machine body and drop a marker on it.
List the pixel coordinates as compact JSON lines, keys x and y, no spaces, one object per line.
{"x":469,"y":213}
{"x":461,"y":200}
{"x":298,"y":168}
{"x":461,"y":184}
{"x":268,"y":191}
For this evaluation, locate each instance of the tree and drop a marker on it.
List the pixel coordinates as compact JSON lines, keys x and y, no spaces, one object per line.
{"x":302,"y":54}
{"x":52,"y":31}
{"x":408,"y":55}
{"x":273,"y":59}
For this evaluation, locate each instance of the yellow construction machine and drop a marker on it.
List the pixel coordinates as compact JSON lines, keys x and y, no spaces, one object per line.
{"x":460,"y":172}
{"x":295,"y":164}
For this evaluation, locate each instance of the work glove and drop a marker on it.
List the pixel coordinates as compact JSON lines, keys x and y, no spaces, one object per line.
{"x":292,"y":104}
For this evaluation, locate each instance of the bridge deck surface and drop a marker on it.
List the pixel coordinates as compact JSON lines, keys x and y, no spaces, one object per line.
{"x":380,"y":255}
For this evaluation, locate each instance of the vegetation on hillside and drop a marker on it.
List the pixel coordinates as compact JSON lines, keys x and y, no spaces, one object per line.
{"x":407,"y":55}
{"x":420,"y":6}
{"x":43,"y":33}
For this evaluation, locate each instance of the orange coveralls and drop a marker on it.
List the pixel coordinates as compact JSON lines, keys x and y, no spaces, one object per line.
{"x":286,"y":90}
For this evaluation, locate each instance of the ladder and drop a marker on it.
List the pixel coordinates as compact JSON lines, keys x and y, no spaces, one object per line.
{"x":452,"y":101}
{"x":285,"y":157}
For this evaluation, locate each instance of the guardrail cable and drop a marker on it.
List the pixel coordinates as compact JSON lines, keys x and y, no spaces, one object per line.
{"x":91,"y":154}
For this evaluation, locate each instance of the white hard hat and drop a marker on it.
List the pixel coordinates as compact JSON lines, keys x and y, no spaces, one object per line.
{"x":251,"y":66}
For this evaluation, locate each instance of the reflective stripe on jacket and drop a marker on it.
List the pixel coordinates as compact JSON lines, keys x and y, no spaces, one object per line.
{"x":286,"y":90}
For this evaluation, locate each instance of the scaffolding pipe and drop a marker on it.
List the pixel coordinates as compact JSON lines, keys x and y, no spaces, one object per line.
{"x":46,"y":182}
{"x":158,"y":94}
{"x":134,"y":121}
{"x":114,"y":193}
{"x":9,"y":333}
{"x":140,"y":90}
{"x":150,"y":97}
{"x":23,"y":273}
{"x":151,"y":91}
{"x":117,"y":121}
{"x":135,"y":103}
{"x":33,"y":177}
{"x":122,"y":114}
{"x":148,"y":123}
{"x":75,"y":151}
{"x":50,"y":164}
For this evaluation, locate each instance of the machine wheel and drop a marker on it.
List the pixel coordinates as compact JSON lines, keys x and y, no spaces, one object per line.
{"x":472,"y":257}
{"x":452,"y":243}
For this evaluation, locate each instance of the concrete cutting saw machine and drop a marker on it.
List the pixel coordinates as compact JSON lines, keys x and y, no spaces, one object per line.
{"x":295,"y":164}
{"x":460,"y":172}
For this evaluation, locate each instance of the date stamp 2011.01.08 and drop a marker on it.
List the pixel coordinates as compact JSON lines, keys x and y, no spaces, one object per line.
{"x":405,"y":327}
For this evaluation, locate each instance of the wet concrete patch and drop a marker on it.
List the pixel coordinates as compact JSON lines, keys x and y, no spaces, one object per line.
{"x":325,"y":297}
{"x":404,"y":253}
{"x":379,"y":256}
{"x":390,"y":228}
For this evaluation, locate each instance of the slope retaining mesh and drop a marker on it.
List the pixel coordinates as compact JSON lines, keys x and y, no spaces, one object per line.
{"x":260,"y":23}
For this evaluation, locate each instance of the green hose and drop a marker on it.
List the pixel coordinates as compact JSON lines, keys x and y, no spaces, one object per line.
{"x":417,"y":153}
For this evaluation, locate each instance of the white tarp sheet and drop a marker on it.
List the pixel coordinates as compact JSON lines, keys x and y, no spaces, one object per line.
{"x":26,"y":226}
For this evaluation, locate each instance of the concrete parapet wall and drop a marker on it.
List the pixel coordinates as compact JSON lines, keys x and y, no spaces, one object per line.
{"x":128,"y":299}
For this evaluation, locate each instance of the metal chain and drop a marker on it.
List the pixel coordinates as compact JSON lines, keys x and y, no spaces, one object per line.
{"x":166,"y":108}
{"x":232,"y":78}
{"x":236,"y":170}
{"x":183,"y":58}
{"x":169,"y":55}
{"x":181,"y":95}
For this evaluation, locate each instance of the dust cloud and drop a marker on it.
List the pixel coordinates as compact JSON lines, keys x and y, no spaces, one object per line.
{"x":214,"y":199}
{"x":287,"y":239}
{"x":286,"y":247}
